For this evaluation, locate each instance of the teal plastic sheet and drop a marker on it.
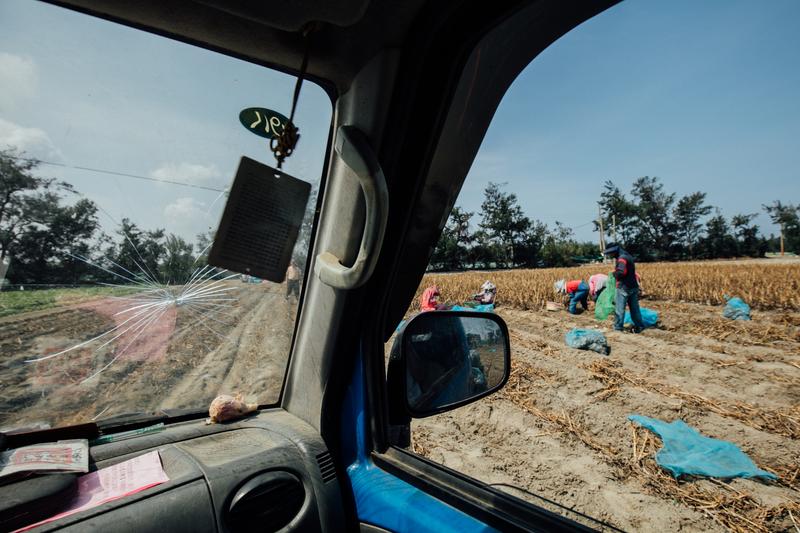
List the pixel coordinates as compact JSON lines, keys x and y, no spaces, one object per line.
{"x":649,"y":317}
{"x":480,"y":308}
{"x":587,"y":339}
{"x":736,"y":309}
{"x":687,"y":452}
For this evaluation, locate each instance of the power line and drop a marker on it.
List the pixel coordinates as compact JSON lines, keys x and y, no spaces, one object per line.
{"x":114,"y":173}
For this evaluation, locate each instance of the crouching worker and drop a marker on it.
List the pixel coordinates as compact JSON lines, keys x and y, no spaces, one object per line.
{"x":429,"y":301}
{"x":597,"y":285}
{"x":487,"y":295}
{"x":577,"y":290}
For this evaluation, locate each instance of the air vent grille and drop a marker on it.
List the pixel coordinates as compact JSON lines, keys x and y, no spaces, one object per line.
{"x":267,"y":502}
{"x":326,"y":467}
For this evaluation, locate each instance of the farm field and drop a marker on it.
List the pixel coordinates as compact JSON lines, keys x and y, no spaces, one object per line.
{"x":559,"y":428}
{"x":186,"y":358}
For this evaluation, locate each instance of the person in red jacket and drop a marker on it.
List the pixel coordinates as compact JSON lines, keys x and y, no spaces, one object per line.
{"x":577,"y":290}
{"x":429,"y":301}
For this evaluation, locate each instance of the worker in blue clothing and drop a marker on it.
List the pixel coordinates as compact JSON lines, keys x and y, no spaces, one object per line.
{"x":578,"y":292}
{"x":627,"y":288}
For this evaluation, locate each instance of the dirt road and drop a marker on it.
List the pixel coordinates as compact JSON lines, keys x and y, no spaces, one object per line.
{"x":559,"y":429}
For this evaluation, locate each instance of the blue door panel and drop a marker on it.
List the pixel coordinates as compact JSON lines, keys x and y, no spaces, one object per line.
{"x":383,"y":499}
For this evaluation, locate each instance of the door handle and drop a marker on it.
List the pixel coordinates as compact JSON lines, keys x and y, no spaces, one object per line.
{"x":355,"y":151}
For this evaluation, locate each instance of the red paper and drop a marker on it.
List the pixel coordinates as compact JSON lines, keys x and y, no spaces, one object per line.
{"x":113,"y":482}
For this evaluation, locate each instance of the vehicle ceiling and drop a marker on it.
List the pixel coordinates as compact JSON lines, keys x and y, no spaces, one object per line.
{"x":346,"y":33}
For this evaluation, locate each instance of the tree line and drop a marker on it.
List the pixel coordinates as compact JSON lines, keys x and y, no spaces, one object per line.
{"x":653,"y":224}
{"x":46,"y":240}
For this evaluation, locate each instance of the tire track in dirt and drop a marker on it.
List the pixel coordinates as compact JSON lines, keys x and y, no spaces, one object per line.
{"x":252,"y":358}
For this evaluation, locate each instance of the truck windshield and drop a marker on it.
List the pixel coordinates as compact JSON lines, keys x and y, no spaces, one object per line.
{"x":117,"y":150}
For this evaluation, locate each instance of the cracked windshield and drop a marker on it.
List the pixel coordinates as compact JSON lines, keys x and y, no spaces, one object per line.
{"x":117,"y":152}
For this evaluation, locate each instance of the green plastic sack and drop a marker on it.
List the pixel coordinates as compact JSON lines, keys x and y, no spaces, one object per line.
{"x":604,"y":305}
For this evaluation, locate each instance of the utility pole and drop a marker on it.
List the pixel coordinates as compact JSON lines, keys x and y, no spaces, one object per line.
{"x":614,"y":228}
{"x":602,"y":233}
{"x":781,"y":239}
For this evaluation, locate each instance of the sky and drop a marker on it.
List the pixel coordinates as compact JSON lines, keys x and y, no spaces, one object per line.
{"x":80,"y":91}
{"x":703,"y":94}
{"x":700,"y":94}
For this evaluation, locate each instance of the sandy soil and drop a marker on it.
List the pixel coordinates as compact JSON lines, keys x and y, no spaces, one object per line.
{"x":184,"y":358}
{"x":559,"y":429}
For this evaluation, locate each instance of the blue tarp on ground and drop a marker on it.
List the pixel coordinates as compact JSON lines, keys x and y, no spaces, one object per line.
{"x":687,"y":452}
{"x":736,"y":309}
{"x":587,"y":339}
{"x":480,"y":308}
{"x":649,"y":317}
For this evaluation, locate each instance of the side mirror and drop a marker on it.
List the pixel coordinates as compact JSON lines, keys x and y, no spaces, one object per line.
{"x":442,"y":360}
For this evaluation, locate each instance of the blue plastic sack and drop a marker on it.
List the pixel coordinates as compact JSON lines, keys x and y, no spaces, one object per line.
{"x":649,"y":317}
{"x":480,"y":308}
{"x":687,"y":452}
{"x":736,"y":309}
{"x":587,"y":339}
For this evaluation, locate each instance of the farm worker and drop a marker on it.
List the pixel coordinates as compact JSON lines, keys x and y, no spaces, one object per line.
{"x":577,"y":290}
{"x":596,"y":285}
{"x":627,"y":288}
{"x":429,"y":301}
{"x":487,"y":294}
{"x":292,"y":280}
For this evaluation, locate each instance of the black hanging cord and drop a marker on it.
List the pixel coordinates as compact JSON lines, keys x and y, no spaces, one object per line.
{"x":283,"y":146}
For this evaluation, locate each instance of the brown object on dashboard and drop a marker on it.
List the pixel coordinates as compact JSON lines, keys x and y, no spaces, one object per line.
{"x":226,"y":407}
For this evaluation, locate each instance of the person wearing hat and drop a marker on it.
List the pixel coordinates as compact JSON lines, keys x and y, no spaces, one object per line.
{"x":627,"y":288}
{"x":577,"y":290}
{"x":487,"y":295}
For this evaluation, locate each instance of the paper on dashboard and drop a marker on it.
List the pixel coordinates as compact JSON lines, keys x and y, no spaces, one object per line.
{"x":113,"y":482}
{"x":61,"y":456}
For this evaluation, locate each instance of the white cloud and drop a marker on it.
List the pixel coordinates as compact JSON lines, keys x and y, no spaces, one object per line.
{"x":194,"y":173}
{"x":188,"y":217}
{"x":184,"y":210}
{"x":34,"y":142}
{"x":18,"y":79}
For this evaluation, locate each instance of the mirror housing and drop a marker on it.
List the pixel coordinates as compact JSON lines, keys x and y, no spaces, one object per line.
{"x":441,"y":360}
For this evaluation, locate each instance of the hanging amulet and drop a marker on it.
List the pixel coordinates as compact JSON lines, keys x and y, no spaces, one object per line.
{"x":283,"y":146}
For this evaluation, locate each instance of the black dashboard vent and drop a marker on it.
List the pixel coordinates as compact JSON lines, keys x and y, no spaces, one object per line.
{"x":266,"y":503}
{"x":326,"y":466}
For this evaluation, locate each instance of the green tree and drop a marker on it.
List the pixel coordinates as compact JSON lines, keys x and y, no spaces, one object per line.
{"x":452,"y":250}
{"x":48,"y":251}
{"x":655,"y":226}
{"x":688,"y":215}
{"x":178,"y":263}
{"x":504,"y":222}
{"x":718,"y":241}
{"x":561,"y":249}
{"x":618,"y":212}
{"x":786,"y":216}
{"x":528,"y":249}
{"x":203,"y":247}
{"x":484,"y":252}
{"x":21,"y":197}
{"x":138,"y":252}
{"x":748,"y":242}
